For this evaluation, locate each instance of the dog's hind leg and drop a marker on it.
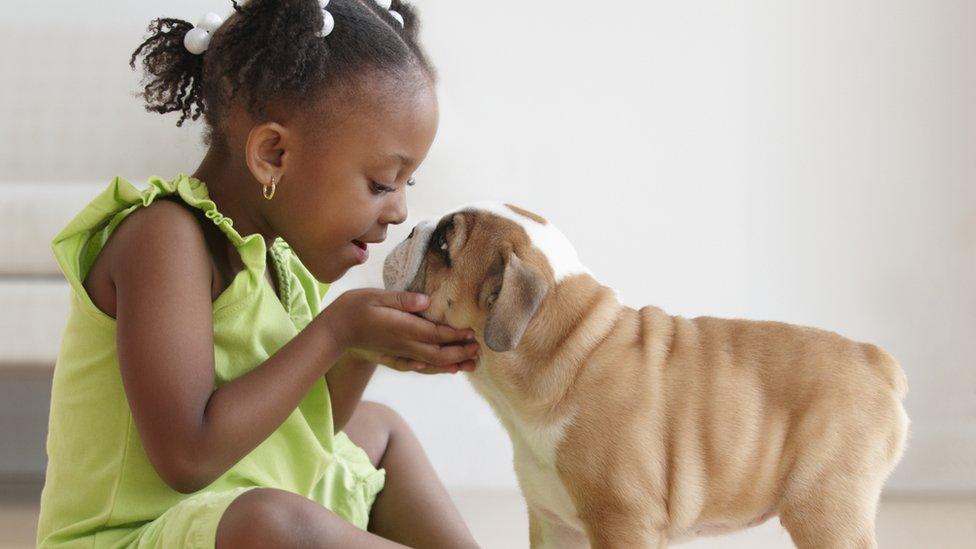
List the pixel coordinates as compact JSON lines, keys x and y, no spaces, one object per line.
{"x":830,"y":525}
{"x":837,"y":513}
{"x":831,"y":497}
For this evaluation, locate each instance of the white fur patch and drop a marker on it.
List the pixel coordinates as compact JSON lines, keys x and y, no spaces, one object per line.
{"x":402,"y":263}
{"x":547,"y":238}
{"x":534,"y":446}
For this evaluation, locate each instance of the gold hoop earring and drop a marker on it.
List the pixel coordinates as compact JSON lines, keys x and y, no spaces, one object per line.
{"x":270,"y":194}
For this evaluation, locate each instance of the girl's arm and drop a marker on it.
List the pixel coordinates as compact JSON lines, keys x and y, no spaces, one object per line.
{"x":347,"y":379}
{"x":192,"y":433}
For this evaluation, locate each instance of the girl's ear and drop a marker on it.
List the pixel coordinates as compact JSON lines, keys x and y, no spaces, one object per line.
{"x":514,"y":295}
{"x":265,"y":151}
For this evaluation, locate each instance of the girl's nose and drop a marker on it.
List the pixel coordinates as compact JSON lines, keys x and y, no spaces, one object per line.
{"x":397,"y":210}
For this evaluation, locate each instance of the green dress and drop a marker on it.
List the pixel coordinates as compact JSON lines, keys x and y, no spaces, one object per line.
{"x":100,"y":489}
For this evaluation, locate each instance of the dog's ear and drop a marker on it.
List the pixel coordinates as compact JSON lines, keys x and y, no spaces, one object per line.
{"x":512,"y":293}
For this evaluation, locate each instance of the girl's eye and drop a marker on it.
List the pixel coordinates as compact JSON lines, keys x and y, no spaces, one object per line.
{"x":380,"y":189}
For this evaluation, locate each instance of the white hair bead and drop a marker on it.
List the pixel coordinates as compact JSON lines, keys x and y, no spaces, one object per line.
{"x":197,"y":40}
{"x":210,"y":22}
{"x":387,"y":4}
{"x":328,"y":24}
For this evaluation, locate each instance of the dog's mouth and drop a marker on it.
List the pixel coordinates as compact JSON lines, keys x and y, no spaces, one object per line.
{"x":403,"y":263}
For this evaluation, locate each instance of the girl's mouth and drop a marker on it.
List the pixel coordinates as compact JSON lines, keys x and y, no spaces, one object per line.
{"x":361,"y":250}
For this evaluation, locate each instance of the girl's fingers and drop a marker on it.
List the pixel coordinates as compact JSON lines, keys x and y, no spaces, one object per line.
{"x":430,"y":332}
{"x":446,"y":354}
{"x":466,"y":366}
{"x":417,"y":353}
{"x":403,"y":364}
{"x":433,"y":370}
{"x":410,"y":302}
{"x":441,"y":334}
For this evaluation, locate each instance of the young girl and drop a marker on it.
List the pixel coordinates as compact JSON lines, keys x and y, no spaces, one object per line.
{"x":200,"y":397}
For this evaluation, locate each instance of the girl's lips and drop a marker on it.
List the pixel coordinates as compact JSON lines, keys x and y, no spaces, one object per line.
{"x":362,"y":251}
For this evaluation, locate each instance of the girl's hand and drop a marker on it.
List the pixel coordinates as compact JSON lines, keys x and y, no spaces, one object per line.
{"x":404,"y":364}
{"x":380,"y":326}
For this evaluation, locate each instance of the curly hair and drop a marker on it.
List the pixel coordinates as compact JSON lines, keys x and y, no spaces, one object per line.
{"x":269,"y":51}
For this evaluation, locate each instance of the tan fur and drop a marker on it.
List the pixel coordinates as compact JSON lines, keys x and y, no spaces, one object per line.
{"x":668,"y":427}
{"x":533,"y":216}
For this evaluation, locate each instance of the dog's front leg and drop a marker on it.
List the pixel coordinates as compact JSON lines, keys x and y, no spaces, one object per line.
{"x":620,"y":533}
{"x":548,"y":534}
{"x":535,"y":530}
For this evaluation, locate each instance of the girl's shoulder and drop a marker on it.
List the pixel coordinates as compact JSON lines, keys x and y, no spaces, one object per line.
{"x":125,"y":228}
{"x":166,"y":237}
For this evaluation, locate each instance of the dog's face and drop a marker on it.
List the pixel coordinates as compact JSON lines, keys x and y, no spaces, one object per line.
{"x":487,"y":267}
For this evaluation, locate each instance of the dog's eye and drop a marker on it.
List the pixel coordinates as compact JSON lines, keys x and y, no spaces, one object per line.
{"x":439,"y":243}
{"x":441,"y":247}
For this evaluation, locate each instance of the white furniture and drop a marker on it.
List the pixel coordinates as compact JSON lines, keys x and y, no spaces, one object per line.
{"x":33,"y":292}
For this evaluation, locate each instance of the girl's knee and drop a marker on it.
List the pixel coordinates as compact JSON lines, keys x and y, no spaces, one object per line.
{"x":383,"y":415}
{"x":269,"y":517}
{"x":373,"y":420}
{"x":373,"y":426}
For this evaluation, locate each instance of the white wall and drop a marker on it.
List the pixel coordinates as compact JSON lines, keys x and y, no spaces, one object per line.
{"x":862,"y":209}
{"x":801,"y":161}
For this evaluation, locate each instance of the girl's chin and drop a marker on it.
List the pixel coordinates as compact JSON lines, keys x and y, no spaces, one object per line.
{"x":347,"y":258}
{"x":337,"y":271}
{"x":331,"y":271}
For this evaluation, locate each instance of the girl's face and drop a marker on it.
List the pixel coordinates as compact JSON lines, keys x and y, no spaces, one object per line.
{"x":339,"y":193}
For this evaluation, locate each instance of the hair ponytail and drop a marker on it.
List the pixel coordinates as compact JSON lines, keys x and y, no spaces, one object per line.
{"x":173,"y":76}
{"x":271,"y":51}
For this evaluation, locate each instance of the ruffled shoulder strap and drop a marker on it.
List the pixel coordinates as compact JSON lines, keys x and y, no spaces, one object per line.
{"x":77,"y":245}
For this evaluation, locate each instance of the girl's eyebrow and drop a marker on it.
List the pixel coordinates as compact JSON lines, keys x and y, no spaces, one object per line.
{"x":396,"y":157}
{"x":404,"y":160}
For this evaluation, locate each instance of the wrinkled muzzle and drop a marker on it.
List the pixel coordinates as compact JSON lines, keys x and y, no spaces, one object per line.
{"x":402,"y":264}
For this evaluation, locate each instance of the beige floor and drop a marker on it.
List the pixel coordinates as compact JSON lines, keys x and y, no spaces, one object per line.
{"x":498,"y":522}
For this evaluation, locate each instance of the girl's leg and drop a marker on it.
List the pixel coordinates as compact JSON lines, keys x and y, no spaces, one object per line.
{"x":413,"y":508}
{"x":267,"y":517}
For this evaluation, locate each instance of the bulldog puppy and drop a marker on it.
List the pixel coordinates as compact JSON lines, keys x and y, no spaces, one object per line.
{"x":634,"y":428}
